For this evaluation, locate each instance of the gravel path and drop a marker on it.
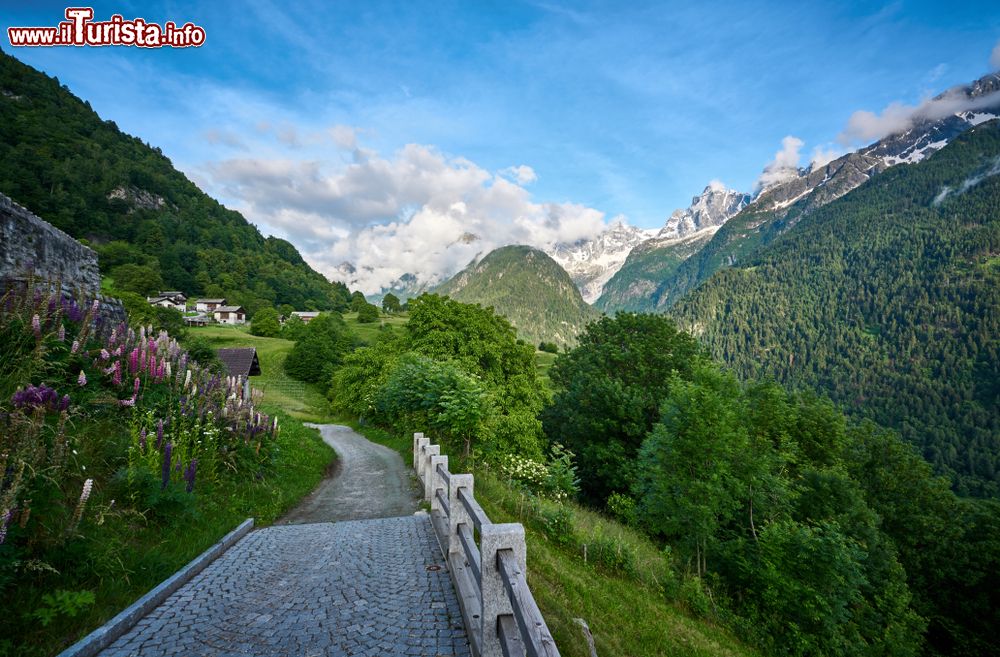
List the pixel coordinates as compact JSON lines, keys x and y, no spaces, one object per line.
{"x":370,"y":482}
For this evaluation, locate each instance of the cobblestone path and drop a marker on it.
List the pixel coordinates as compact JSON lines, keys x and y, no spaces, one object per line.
{"x":365,"y":587}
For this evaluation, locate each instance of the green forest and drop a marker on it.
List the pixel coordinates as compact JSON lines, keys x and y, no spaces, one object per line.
{"x":153,"y":228}
{"x":886,"y":300}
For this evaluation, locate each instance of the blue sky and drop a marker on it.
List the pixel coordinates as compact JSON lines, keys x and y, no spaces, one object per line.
{"x":620,"y":108}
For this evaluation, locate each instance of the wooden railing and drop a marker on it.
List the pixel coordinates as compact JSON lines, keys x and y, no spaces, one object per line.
{"x":500,"y":613}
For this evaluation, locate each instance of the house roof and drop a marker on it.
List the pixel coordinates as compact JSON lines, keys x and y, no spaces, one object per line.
{"x":241,"y":361}
{"x":229,"y":309}
{"x":161,"y":298}
{"x":211,"y":300}
{"x":173,"y":293}
{"x":305,"y":314}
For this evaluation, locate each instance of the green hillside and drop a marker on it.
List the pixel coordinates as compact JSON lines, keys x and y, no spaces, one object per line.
{"x":647,"y":266}
{"x":888,"y":300}
{"x":528,"y":288}
{"x":152,"y":227}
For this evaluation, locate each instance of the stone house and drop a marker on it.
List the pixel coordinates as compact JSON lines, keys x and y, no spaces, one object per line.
{"x":230,"y":315}
{"x":173,"y":299}
{"x":208,"y":305}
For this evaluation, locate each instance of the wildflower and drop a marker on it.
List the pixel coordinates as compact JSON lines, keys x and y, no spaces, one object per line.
{"x":34,"y":397}
{"x":159,"y":433}
{"x":105,"y":355}
{"x":36,"y":326}
{"x":117,"y":378}
{"x":135,"y":387}
{"x":166,"y":370}
{"x":133,"y":361}
{"x":142,"y":439}
{"x":114,"y":336}
{"x":95,"y":307}
{"x":127,"y":402}
{"x":189,"y":474}
{"x":88,"y":485}
{"x":64,"y":404}
{"x":187,"y":380}
{"x":62,"y":333}
{"x":82,"y":379}
{"x":166,"y":465}
{"x":75,"y":348}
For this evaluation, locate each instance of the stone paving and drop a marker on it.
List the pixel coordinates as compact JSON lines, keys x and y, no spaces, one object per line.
{"x":365,"y":587}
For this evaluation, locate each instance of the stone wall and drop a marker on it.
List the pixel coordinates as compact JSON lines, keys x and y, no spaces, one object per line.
{"x":33,"y":248}
{"x":34,"y":252}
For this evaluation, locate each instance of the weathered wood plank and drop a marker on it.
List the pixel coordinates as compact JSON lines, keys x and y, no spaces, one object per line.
{"x":510,"y":637}
{"x":479,"y":516}
{"x":443,"y":501}
{"x":445,"y":475}
{"x":538,"y":640}
{"x":471,"y":551}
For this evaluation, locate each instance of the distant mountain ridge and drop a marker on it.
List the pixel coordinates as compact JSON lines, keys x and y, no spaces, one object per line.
{"x":777,"y":208}
{"x":527,"y":287}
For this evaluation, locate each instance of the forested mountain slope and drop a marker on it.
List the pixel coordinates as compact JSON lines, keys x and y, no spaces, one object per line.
{"x":527,"y":287}
{"x":85,"y":176}
{"x":888,"y":299}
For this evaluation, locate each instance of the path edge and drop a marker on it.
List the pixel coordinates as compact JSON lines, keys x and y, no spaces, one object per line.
{"x":108,"y":633}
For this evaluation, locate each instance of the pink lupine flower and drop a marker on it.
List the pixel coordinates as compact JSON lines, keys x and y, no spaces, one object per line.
{"x":82,"y":379}
{"x":117,"y":379}
{"x":135,"y":388}
{"x":95,"y":307}
{"x":133,"y":361}
{"x":105,"y":355}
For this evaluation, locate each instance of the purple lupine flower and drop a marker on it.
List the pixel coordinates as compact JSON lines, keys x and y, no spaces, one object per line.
{"x":117,"y":378}
{"x":133,"y":361}
{"x":82,"y":379}
{"x":75,"y":348}
{"x":34,"y":397}
{"x":62,"y":333}
{"x":127,"y":402}
{"x":52,"y":305}
{"x":64,"y":404}
{"x":135,"y":387}
{"x":36,"y":326}
{"x":142,"y":439}
{"x":113,"y":337}
{"x":95,"y":307}
{"x":159,"y":433}
{"x":189,"y":474}
{"x":166,"y":465}
{"x":105,"y":355}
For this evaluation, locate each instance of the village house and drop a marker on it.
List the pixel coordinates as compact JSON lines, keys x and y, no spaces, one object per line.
{"x":208,"y":305}
{"x":242,"y":363}
{"x":230,"y":315}
{"x":306,"y":317}
{"x":173,"y":299}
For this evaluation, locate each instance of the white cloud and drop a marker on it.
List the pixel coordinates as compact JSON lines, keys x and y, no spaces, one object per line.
{"x":995,"y":57}
{"x":522,"y":175}
{"x":865,"y":126}
{"x":785,"y":163}
{"x":414,"y":212}
{"x":717,"y":185}
{"x":821,"y":156}
{"x":344,"y":137}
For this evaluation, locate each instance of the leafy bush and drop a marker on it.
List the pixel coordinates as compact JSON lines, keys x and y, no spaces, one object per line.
{"x":265,"y":323}
{"x":548,"y":347}
{"x":367,"y":313}
{"x":321,"y":349}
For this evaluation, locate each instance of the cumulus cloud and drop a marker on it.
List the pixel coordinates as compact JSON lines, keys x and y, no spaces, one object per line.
{"x":717,"y":185}
{"x":821,"y":156}
{"x":865,"y":126}
{"x":344,"y":137}
{"x":522,"y":175}
{"x":995,"y":57}
{"x":417,"y":212}
{"x":785,"y":163}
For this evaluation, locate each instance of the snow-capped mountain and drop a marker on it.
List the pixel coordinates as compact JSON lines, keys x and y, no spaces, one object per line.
{"x":591,"y":263}
{"x":712,"y":208}
{"x":932,"y":126}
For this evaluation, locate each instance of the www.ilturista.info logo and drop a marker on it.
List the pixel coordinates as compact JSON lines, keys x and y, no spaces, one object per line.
{"x":80,"y":29}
